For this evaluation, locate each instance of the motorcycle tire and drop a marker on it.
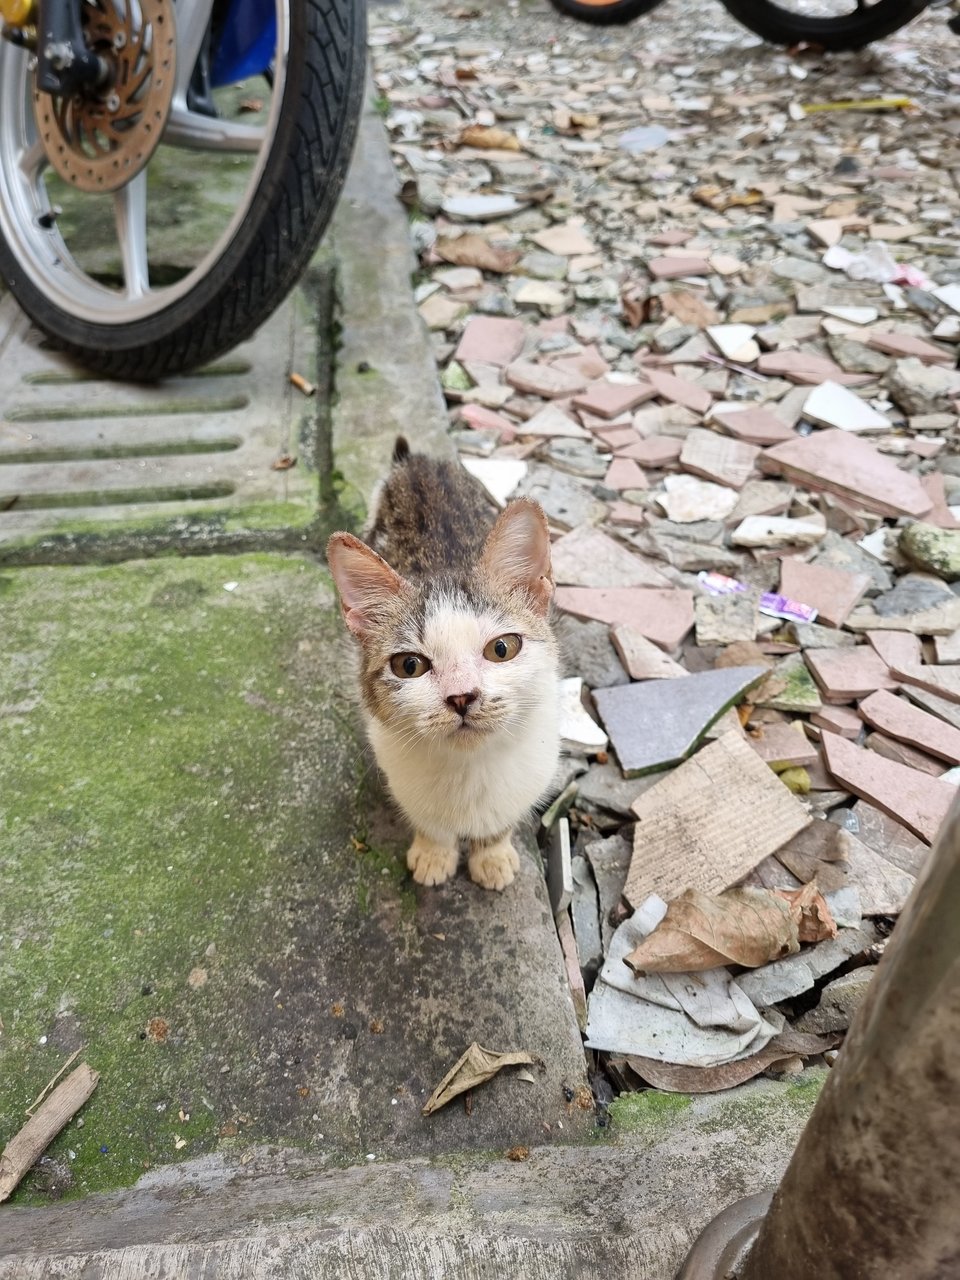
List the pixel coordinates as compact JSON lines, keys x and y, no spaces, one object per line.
{"x":287,"y":208}
{"x":605,"y":13}
{"x":778,"y":25}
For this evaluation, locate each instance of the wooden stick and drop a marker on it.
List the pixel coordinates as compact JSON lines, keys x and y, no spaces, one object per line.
{"x":40,"y":1130}
{"x":50,"y":1083}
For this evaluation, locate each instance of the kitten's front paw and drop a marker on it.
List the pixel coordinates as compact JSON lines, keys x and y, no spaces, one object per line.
{"x":493,"y":866}
{"x":431,"y":863}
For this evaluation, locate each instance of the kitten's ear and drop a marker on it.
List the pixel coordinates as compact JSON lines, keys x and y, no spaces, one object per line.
{"x":517,"y":551}
{"x":365,"y":581}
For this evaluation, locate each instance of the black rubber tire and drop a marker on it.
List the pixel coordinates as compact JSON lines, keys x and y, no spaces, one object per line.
{"x":852,"y":31}
{"x":298,"y":192}
{"x":606,"y":15}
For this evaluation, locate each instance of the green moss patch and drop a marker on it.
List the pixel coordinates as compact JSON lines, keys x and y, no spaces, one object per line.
{"x":159,"y":831}
{"x":649,"y":1110}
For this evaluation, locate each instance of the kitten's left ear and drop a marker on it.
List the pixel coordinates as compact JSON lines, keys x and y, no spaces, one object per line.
{"x":517,"y":551}
{"x":365,"y":581}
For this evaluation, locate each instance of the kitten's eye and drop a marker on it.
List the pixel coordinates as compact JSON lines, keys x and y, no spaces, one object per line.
{"x":503,"y":648}
{"x":408,"y":666}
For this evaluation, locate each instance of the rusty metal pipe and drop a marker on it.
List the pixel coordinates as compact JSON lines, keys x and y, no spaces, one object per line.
{"x":873,"y":1189}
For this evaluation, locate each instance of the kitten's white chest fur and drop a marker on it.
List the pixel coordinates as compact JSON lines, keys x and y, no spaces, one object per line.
{"x":451,"y":793}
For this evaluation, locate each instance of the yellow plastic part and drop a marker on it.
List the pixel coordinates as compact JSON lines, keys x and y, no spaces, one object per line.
{"x":16,"y":13}
{"x":863,"y":104}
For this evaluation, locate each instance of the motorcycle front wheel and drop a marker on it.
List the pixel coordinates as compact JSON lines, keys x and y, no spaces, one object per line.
{"x":832,"y":24}
{"x":192,"y":254}
{"x":605,"y":13}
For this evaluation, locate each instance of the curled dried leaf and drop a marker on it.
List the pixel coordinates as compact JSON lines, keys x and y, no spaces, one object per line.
{"x":700,"y":931}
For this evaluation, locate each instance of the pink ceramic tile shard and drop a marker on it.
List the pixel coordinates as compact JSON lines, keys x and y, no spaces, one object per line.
{"x":655,"y":451}
{"x":905,"y":344}
{"x":589,"y":363}
{"x":617,"y":437}
{"x":943,"y":681}
{"x":756,"y":426}
{"x":846,"y":674}
{"x":940,"y":513}
{"x":851,"y":467}
{"x":624,"y":473}
{"x":905,"y":722}
{"x":610,"y":399}
{"x":663,"y":616}
{"x":840,"y":720}
{"x":897,"y":648}
{"x":915,"y":799}
{"x":482,"y":419}
{"x":492,"y":340}
{"x":782,"y":746}
{"x":672,"y":236}
{"x":718,"y":458}
{"x":807,"y":368}
{"x":627,"y":513}
{"x":832,"y":592}
{"x":672,"y":267}
{"x":587,"y":557}
{"x":544,"y":380}
{"x":679,"y":390}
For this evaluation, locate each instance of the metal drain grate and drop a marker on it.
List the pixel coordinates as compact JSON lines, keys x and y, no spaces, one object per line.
{"x":76,"y":451}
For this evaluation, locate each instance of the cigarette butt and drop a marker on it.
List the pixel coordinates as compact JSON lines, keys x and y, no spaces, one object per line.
{"x":300,"y":382}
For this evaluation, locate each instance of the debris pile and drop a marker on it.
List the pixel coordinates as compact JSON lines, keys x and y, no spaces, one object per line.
{"x":712,"y":328}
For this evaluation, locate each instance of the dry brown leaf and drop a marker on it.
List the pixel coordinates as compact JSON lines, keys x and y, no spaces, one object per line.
{"x":810,"y":911}
{"x":475,"y":251}
{"x":688,"y":308}
{"x":722,"y":198}
{"x":473,"y":1068}
{"x":488,"y":137}
{"x":635,"y":303}
{"x":675,"y":1078}
{"x":750,"y":927}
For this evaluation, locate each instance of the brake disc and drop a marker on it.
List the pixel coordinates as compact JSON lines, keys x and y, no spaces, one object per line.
{"x":99,"y":139}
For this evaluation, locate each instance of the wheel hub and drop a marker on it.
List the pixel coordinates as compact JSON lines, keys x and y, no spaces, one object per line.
{"x":99,"y":140}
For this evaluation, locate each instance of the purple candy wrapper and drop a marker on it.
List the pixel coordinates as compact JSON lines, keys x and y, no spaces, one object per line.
{"x":771,"y":604}
{"x":775,"y":606}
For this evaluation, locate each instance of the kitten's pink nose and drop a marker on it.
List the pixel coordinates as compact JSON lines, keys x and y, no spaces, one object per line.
{"x":460,"y":701}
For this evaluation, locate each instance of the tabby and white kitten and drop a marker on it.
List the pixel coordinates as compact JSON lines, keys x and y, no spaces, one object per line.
{"x":458,"y":664}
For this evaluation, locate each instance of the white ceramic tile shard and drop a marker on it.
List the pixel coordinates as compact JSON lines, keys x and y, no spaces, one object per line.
{"x":499,"y":476}
{"x":830,"y":405}
{"x":949,"y":295}
{"x":687,"y":499}
{"x":852,"y":315}
{"x":777,"y":531}
{"x":735,"y":342}
{"x":579,"y":732}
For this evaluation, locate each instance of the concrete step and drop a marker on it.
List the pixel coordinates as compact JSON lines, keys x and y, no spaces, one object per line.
{"x":627,"y":1207}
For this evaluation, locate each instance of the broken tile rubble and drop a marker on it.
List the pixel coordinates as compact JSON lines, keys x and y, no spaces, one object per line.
{"x":651,"y":315}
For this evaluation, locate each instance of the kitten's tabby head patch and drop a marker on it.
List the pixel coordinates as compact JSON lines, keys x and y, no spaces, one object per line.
{"x":455,"y":658}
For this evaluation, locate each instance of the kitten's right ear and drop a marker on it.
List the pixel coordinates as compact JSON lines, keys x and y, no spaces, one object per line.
{"x":365,"y":581}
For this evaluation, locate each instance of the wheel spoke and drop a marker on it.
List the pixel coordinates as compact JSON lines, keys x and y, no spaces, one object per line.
{"x":33,"y":161}
{"x":130,"y":211}
{"x":209,"y":133}
{"x":193,"y":18}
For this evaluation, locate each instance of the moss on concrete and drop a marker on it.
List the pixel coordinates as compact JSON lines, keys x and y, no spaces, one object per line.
{"x":753,"y":1114}
{"x":647,"y":1111}
{"x":197,"y":530}
{"x":152,"y":839}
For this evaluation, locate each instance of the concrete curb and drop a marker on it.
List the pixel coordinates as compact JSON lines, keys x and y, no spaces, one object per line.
{"x":629,"y":1209}
{"x":385,"y":377}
